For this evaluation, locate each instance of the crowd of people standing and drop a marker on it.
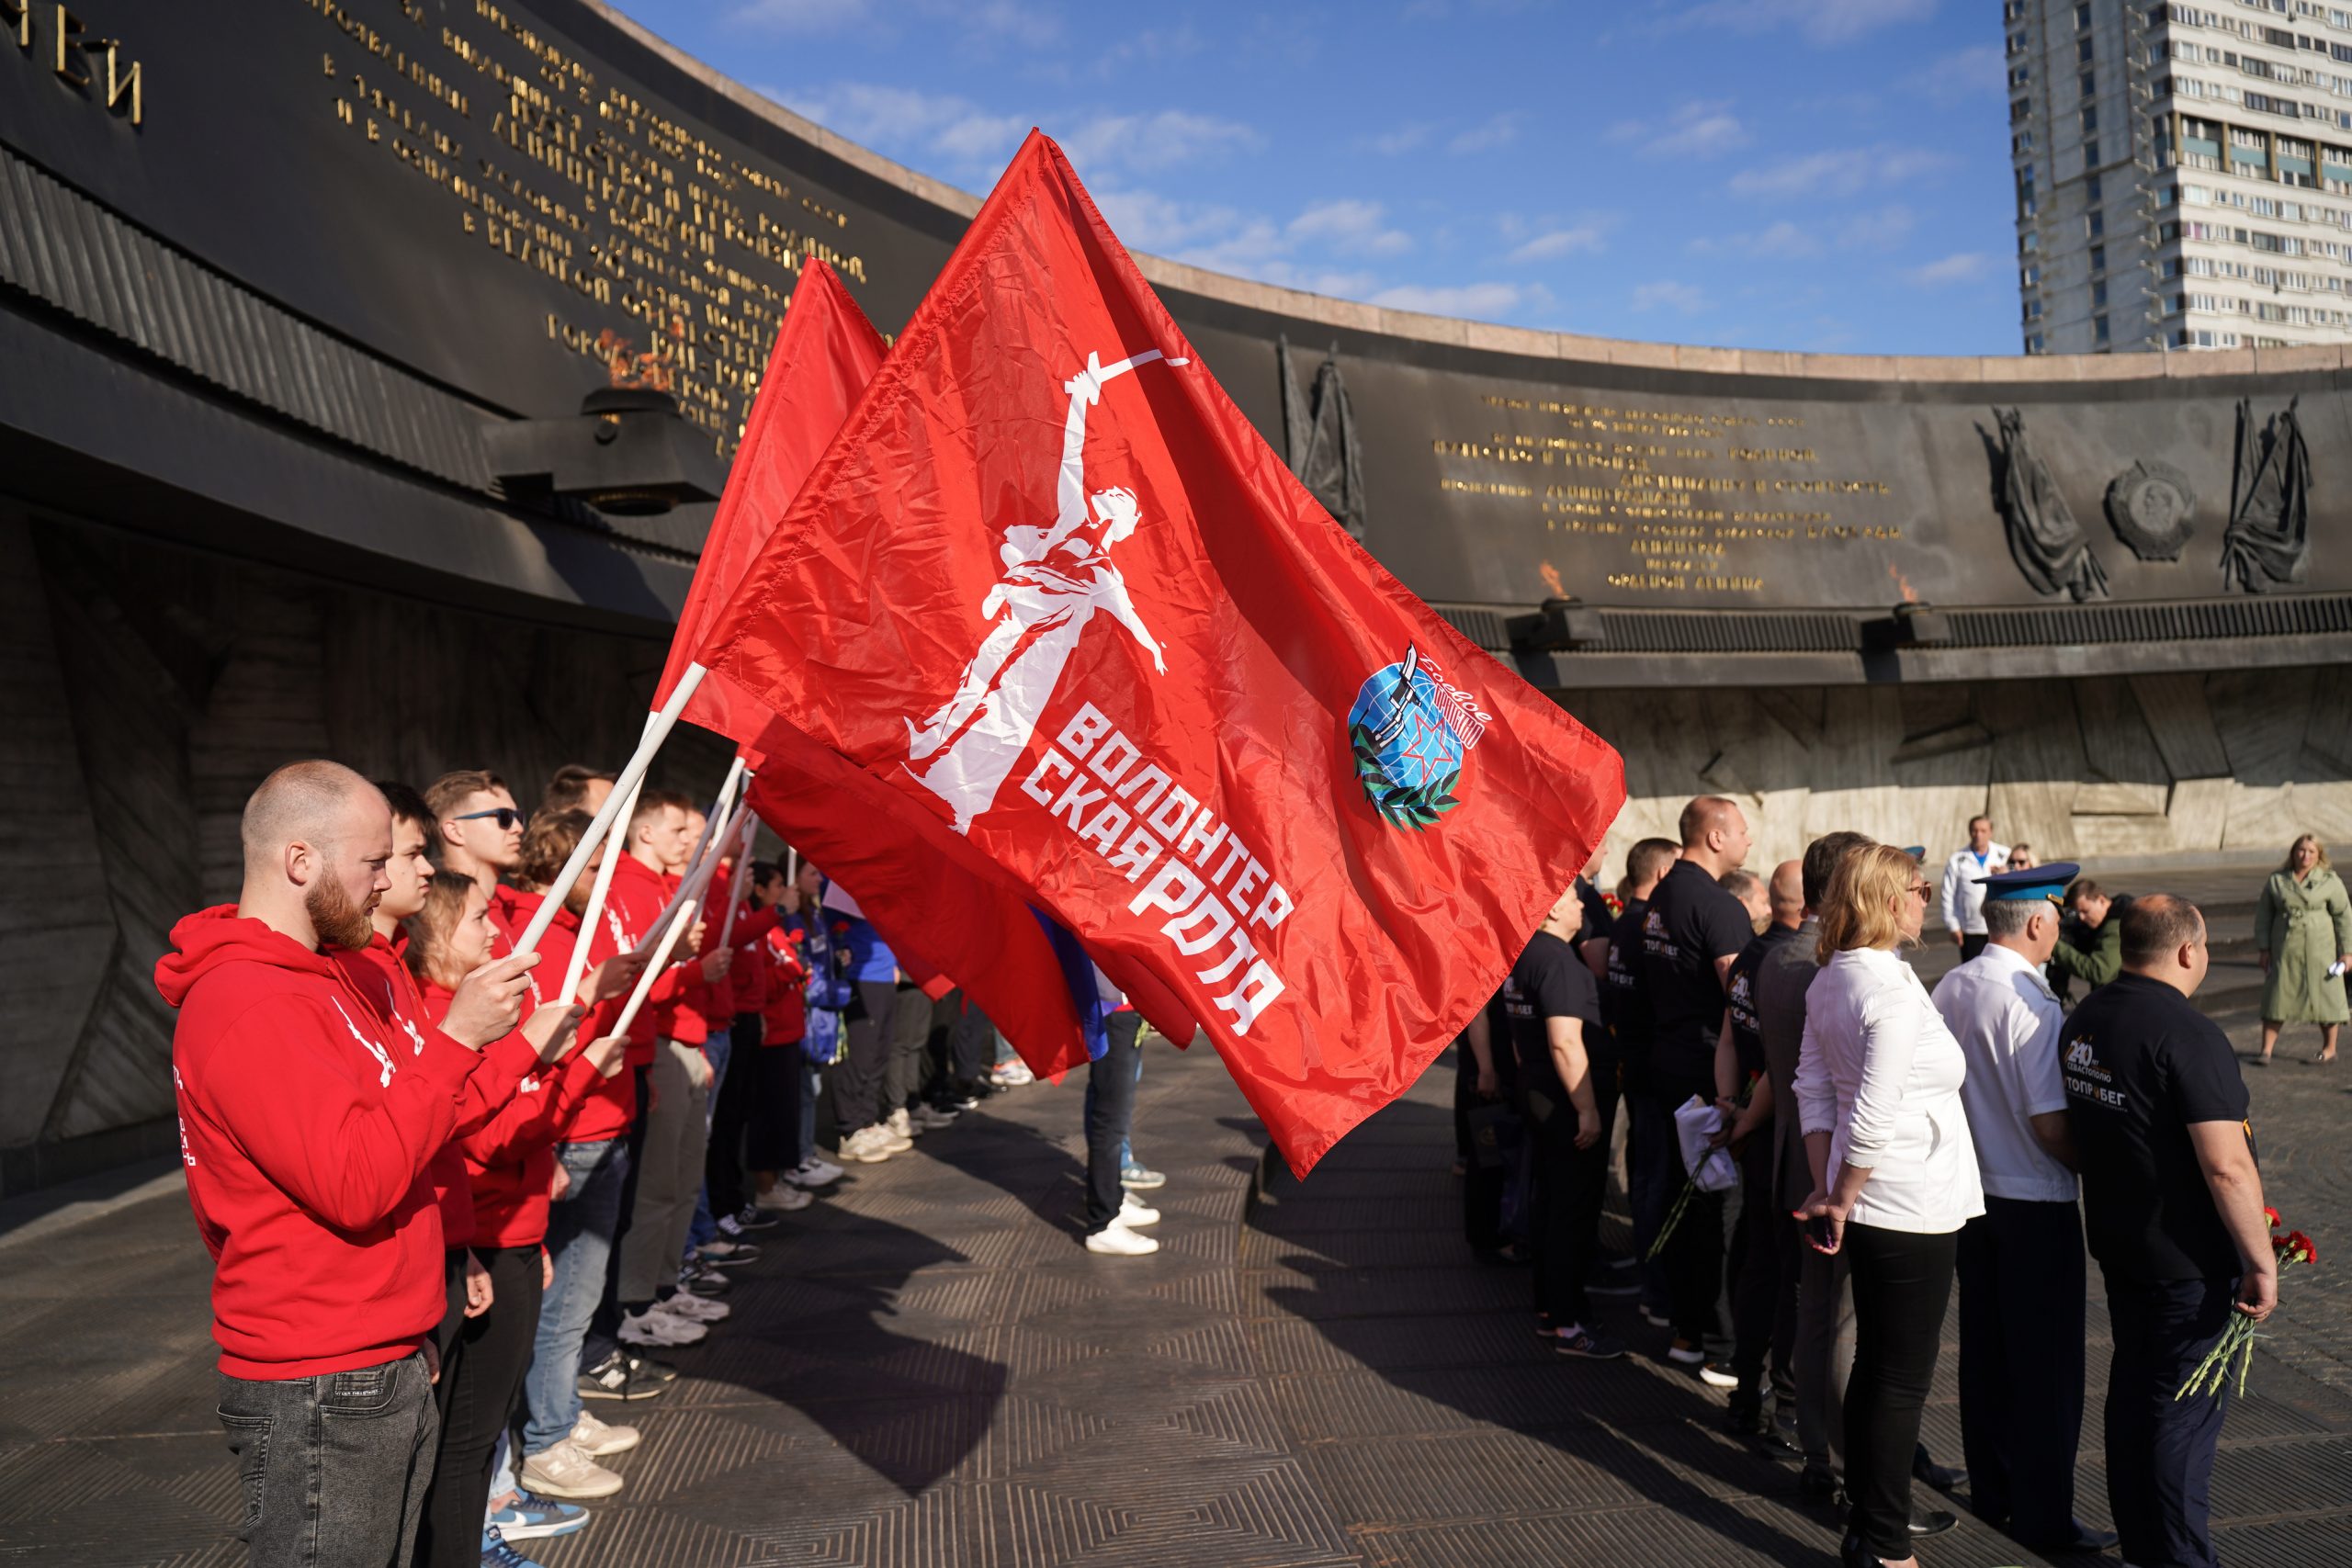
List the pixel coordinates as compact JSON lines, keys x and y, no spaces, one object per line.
{"x":1881,"y":1141}
{"x":450,"y":1206}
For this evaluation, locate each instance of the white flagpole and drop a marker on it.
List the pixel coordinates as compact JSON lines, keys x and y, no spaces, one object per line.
{"x":596,"y":895}
{"x":700,"y":865}
{"x":742,"y":884}
{"x":624,"y":790}
{"x":653,"y":970}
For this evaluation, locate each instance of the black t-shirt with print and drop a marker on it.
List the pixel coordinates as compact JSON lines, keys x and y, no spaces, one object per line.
{"x":2141,"y":1065}
{"x":1597,"y":917}
{"x":1548,"y":981}
{"x":1691,"y":923}
{"x":1624,"y":1004}
{"x":1747,"y":1032}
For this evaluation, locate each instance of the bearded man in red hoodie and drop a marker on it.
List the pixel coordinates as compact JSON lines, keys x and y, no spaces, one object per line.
{"x":308,"y":1125}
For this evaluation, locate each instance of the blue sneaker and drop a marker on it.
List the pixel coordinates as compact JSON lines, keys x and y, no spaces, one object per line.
{"x":1136,"y":1178}
{"x":496,"y":1554}
{"x":531,"y":1516}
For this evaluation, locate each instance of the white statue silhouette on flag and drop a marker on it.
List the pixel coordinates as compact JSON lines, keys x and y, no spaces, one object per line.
{"x":1054,"y":579}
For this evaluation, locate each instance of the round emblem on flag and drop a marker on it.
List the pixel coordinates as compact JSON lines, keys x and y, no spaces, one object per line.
{"x":1409,"y":754}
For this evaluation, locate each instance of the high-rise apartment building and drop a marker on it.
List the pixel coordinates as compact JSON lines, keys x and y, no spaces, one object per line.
{"x":2184,"y":173}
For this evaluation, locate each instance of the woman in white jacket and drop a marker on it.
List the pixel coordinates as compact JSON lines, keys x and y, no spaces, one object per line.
{"x":1894,"y":1175}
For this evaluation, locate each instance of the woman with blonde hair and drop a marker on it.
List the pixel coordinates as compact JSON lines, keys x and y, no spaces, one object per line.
{"x":1894,"y":1175}
{"x":2303,"y":926}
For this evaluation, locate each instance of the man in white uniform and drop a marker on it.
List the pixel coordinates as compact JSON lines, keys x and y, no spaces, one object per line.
{"x":1962,"y":895}
{"x":2022,"y":1263}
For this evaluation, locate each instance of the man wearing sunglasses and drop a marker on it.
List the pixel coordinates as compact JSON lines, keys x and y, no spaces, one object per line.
{"x":478,"y":831}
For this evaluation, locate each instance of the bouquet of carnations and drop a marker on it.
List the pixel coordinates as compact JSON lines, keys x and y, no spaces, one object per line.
{"x":2237,"y":1341}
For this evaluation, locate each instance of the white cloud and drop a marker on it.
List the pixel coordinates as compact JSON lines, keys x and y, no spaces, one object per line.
{"x":803,"y":16}
{"x":1499,"y":131}
{"x":1842,"y":173}
{"x":1823,"y":22}
{"x":1558,"y":243}
{"x":1150,"y":46}
{"x":1484,"y":300}
{"x":1961,"y":266}
{"x":1700,"y":129}
{"x":1686,"y":298}
{"x":1154,"y":142}
{"x":1404,"y":138}
{"x":1008,"y":19}
{"x":901,"y":120}
{"x":1146,"y":220}
{"x":1352,"y":225}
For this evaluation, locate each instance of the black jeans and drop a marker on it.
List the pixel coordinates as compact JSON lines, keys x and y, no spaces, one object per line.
{"x":2021,"y":1286}
{"x":1110,"y":1113}
{"x":334,"y":1469}
{"x":865,"y":1055}
{"x":1693,"y":1261}
{"x":1972,"y":943}
{"x":778,"y":1073}
{"x":722,"y":1163}
{"x":1569,"y":1184}
{"x":1764,"y":1288}
{"x":1901,"y":1282}
{"x":479,"y":1387}
{"x":971,"y":1041}
{"x":2159,"y":1449}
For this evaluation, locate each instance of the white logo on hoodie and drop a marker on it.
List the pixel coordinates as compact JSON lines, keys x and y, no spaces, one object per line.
{"x":384,"y":1081}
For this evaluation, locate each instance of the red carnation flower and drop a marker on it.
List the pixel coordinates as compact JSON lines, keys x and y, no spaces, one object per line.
{"x":2272,"y":1215}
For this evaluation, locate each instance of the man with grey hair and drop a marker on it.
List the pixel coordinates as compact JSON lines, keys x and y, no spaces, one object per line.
{"x":2022,"y":1276}
{"x":307,"y":1125}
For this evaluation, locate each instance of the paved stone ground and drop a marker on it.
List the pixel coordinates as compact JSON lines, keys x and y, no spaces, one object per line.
{"x":925,"y":1369}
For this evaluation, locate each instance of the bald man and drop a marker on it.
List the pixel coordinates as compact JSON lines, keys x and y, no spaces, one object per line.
{"x":307,"y":1125}
{"x":1764,"y":1313}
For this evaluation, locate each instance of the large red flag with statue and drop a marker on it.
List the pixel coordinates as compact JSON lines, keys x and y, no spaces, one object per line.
{"x":1049,"y":590}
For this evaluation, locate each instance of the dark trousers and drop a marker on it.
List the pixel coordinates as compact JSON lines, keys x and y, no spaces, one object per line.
{"x":1692,"y":1263}
{"x":604,"y":1328}
{"x":778,"y":1075}
{"x":1902,"y":1283}
{"x":1764,"y":1288}
{"x":478,"y":1390}
{"x":1110,"y":1112}
{"x":865,"y":1055}
{"x":971,"y":1041}
{"x":2021,"y":1286}
{"x":2160,"y":1450}
{"x":1569,"y":1185}
{"x":731,"y":1100}
{"x":1972,"y":943}
{"x":332,"y":1469}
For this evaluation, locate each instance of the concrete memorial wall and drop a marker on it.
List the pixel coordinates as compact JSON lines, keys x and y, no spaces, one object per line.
{"x":280,"y":283}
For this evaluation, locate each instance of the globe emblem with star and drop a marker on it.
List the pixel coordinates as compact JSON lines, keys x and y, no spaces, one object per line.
{"x":1407,"y":757}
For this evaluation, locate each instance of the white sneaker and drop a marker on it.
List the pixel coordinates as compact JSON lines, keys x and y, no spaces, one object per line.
{"x":695,"y":1308}
{"x":867,"y":1145}
{"x":1013,"y":1075}
{"x":1133,"y":1212}
{"x":781,"y":1199}
{"x":662,"y":1329}
{"x":566,"y":1471}
{"x":599,"y":1438}
{"x":814,"y":1172}
{"x":901,"y":1125}
{"x":929,"y":1119}
{"x":1115,"y":1240}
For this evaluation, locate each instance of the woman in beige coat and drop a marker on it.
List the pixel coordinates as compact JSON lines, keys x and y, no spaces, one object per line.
{"x":2304,"y":927}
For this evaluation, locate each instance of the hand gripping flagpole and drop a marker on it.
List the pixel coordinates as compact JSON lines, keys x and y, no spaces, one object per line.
{"x":625,"y":790}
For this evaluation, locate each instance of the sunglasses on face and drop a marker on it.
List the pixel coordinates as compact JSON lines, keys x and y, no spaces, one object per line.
{"x":1922,"y":892}
{"x":2020,"y":863}
{"x":505,"y":816}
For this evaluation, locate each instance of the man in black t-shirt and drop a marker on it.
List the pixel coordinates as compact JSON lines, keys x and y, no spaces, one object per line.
{"x":2173,"y":1209}
{"x":1690,"y":937}
{"x":1764,"y":1321}
{"x":1625,"y":1009}
{"x":1551,"y":1007}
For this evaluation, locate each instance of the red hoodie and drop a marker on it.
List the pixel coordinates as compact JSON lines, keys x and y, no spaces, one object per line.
{"x":510,"y":1159}
{"x":606,"y":1106}
{"x":306,"y":1124}
{"x":785,"y":1018}
{"x":637,"y":896}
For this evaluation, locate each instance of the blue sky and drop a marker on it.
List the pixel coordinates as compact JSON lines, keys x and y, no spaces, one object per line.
{"x":1823,"y":175}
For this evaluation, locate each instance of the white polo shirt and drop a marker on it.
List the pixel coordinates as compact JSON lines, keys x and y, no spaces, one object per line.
{"x":2006,"y":1020}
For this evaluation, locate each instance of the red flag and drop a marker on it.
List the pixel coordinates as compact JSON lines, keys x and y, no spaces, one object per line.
{"x":1050,"y":586}
{"x":951,"y":927}
{"x":825,"y":354}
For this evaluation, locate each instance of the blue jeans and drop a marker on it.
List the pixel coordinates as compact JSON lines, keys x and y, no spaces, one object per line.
{"x":1108,"y":1116}
{"x":811,"y":1086}
{"x":579,"y":1243}
{"x":718,"y":1049}
{"x":332,"y":1469}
